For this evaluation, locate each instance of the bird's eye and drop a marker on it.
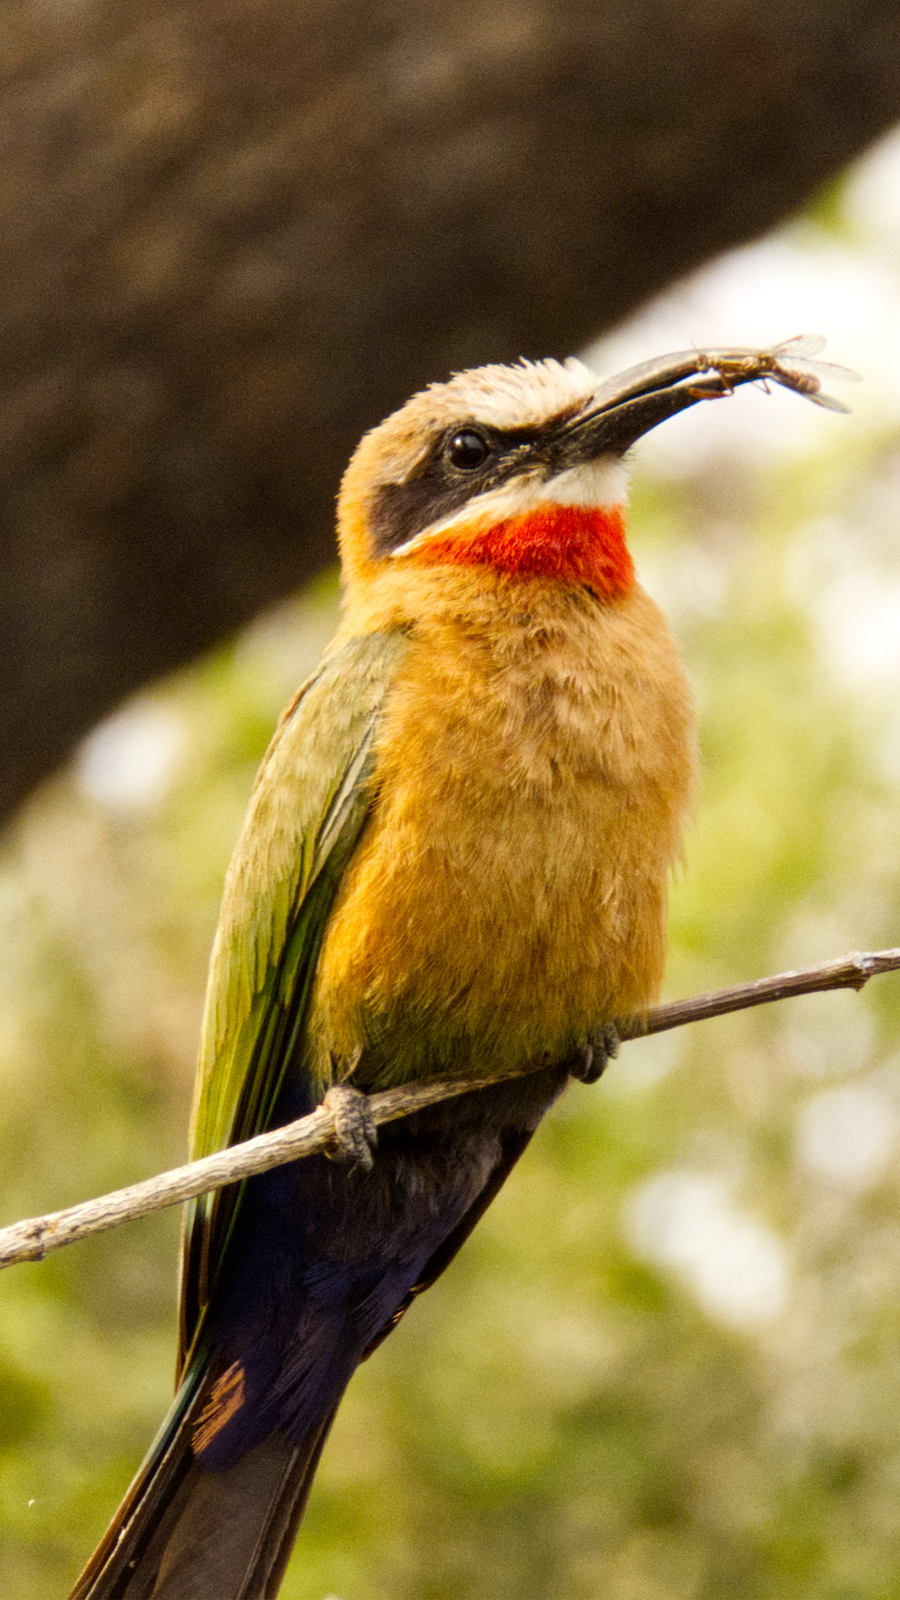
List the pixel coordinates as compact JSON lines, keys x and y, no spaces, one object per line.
{"x":468,"y":450}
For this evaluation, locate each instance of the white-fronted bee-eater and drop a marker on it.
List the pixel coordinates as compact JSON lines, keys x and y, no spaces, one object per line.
{"x":455,"y":861}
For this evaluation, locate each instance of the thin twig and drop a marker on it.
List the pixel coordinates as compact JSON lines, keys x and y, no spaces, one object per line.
{"x":847,"y":972}
{"x":37,"y":1236}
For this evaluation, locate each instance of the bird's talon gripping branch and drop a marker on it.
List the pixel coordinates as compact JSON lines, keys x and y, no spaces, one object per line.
{"x":355,"y":1134}
{"x":594,"y":1054}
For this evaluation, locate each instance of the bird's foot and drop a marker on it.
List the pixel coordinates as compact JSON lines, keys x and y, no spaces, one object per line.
{"x":594,"y":1052}
{"x":355,"y":1134}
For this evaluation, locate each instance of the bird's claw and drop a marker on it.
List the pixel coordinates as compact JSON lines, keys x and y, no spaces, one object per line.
{"x":594,"y":1052}
{"x":355,"y":1134}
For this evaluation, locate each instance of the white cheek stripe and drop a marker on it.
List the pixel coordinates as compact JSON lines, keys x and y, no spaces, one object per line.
{"x":593,"y":483}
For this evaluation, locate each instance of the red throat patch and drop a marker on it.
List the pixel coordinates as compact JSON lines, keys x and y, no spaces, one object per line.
{"x":574,"y":544}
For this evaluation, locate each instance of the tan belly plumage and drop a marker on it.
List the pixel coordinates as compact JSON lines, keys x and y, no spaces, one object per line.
{"x":533,"y":770}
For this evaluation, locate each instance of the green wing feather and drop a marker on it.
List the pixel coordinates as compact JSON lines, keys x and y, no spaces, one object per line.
{"x":308,"y":807}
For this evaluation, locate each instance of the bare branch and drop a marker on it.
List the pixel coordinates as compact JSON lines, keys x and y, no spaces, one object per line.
{"x":847,"y":972}
{"x":36,"y":1237}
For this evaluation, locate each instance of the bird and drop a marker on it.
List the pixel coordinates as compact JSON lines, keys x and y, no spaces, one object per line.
{"x":455,"y":862}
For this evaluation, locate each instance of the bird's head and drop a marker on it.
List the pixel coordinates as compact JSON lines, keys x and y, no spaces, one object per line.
{"x":520,"y":468}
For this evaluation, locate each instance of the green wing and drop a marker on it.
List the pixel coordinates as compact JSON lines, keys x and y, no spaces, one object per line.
{"x":308,"y":807}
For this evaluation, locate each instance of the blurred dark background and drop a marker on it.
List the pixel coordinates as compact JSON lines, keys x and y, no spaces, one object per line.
{"x":237,"y":234}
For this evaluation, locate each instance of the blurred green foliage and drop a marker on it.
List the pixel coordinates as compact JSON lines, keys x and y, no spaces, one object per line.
{"x":665,"y":1367}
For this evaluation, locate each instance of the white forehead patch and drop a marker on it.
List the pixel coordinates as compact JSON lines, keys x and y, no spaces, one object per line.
{"x":519,"y":396}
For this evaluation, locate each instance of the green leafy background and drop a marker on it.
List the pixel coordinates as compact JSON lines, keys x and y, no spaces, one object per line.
{"x":666,"y":1365}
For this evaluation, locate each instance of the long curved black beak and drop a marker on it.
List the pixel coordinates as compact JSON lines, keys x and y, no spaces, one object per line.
{"x":627,"y":406}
